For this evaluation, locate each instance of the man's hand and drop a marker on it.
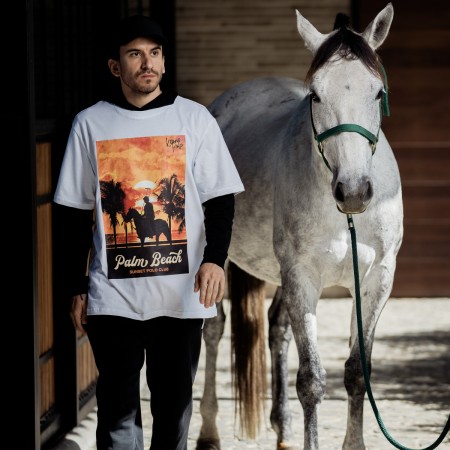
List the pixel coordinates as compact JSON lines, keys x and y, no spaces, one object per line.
{"x":78,"y":311}
{"x":210,"y":281}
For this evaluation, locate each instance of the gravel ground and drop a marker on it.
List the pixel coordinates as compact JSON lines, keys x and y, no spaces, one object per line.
{"x":410,"y":382}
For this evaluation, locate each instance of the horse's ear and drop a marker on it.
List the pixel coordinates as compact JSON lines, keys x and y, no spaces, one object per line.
{"x":377,"y":30}
{"x":310,"y":35}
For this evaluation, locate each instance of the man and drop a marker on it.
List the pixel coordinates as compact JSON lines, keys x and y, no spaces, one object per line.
{"x":145,"y":302}
{"x":149,"y":216}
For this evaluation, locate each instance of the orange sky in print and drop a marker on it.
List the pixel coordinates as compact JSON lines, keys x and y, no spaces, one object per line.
{"x":140,"y":163}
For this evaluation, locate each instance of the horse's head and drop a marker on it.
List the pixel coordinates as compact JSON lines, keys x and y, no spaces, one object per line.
{"x":347,"y":90}
{"x":131,"y":214}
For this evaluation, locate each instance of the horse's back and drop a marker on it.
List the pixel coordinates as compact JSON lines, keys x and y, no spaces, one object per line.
{"x":253,"y":116}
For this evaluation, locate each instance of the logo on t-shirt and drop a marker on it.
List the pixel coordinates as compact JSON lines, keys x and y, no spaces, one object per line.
{"x":142,"y":186}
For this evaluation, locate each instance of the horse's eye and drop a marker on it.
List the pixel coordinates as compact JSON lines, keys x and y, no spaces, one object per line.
{"x":380,"y":94}
{"x":314,"y":97}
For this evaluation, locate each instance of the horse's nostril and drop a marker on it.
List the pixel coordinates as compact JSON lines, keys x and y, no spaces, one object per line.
{"x":369,"y":191}
{"x":338,"y":193}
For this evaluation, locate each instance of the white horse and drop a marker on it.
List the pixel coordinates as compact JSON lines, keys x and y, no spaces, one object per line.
{"x":309,"y":154}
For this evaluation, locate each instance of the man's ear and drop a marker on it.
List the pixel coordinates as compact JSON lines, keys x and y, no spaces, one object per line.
{"x":114,"y":67}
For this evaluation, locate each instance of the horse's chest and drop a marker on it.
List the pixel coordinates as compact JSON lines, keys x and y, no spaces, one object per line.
{"x":339,"y":252}
{"x":332,"y":258}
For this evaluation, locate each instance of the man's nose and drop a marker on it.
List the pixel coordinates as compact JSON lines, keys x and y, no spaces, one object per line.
{"x":147,"y":62}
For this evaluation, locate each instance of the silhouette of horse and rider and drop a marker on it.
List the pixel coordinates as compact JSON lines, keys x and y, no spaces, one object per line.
{"x":146,"y":225}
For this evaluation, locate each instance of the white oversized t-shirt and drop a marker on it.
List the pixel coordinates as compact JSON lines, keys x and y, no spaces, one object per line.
{"x":174,"y":155}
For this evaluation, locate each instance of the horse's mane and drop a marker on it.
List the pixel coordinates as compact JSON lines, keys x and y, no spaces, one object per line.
{"x":346,"y":44}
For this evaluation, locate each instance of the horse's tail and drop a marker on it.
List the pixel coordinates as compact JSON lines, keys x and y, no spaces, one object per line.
{"x":247,"y":295}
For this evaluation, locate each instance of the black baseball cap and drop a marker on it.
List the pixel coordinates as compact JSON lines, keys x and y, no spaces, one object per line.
{"x":134,"y":27}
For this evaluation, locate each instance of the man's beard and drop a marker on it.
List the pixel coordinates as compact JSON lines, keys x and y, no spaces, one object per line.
{"x":143,"y":89}
{"x":146,"y":91}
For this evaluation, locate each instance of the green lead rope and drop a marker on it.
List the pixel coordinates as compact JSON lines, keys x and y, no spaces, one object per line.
{"x":362,"y":350}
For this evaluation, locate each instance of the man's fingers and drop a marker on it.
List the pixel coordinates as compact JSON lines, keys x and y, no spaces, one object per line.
{"x":210,"y":280}
{"x":78,"y":312}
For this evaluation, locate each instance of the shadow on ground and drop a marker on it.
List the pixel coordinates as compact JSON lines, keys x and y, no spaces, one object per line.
{"x":423,"y":378}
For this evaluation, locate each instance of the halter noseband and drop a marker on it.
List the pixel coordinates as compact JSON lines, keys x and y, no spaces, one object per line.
{"x":350,"y":127}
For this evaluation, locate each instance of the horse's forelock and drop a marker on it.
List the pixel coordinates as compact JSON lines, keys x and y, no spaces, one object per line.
{"x":347,"y":44}
{"x":342,"y":21}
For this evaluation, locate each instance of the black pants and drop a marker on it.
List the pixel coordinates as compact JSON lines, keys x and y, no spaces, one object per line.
{"x":171,"y":349}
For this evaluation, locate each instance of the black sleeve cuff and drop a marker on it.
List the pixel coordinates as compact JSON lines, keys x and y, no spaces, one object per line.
{"x":73,"y":245}
{"x":219,"y":215}
{"x":78,"y":286}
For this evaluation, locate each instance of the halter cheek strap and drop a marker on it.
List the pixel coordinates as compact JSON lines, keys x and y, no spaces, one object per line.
{"x":385,"y":98}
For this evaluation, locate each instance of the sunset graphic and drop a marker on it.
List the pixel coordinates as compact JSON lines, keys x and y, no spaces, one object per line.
{"x":142,"y":182}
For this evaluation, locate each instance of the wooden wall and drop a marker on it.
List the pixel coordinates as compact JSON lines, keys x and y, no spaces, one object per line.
{"x":223,"y":42}
{"x":416,"y":56}
{"x":220,"y":43}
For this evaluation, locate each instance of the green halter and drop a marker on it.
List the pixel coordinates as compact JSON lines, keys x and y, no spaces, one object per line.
{"x":350,"y":127}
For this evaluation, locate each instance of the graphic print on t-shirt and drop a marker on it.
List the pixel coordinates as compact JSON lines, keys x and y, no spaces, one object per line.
{"x":142,"y":186}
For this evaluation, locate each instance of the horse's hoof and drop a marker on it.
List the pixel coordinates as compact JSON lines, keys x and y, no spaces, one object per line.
{"x":287,"y":446}
{"x":208,"y":444}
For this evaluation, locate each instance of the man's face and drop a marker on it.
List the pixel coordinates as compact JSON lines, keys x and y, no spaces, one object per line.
{"x":140,"y":68}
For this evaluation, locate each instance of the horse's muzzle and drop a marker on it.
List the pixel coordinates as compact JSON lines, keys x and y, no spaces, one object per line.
{"x":353,"y":201}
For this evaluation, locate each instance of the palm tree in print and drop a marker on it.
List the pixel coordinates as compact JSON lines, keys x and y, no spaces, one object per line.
{"x":170,"y":194}
{"x":113,"y":203}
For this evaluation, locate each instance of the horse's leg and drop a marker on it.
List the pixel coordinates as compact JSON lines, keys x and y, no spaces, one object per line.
{"x":374,"y":300}
{"x":280,"y":335}
{"x":168,"y":236}
{"x":212,"y":333}
{"x":301,"y":298}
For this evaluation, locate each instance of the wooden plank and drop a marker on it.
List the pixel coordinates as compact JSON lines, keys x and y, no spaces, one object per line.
{"x":45,"y":277}
{"x":422,"y":278}
{"x":422,"y":162}
{"x":426,"y":240}
{"x":427,"y":202}
{"x":43,"y":168}
{"x":409,"y":15}
{"x":418,"y":99}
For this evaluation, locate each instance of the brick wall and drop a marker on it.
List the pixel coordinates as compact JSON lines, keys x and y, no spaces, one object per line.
{"x":223,"y":42}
